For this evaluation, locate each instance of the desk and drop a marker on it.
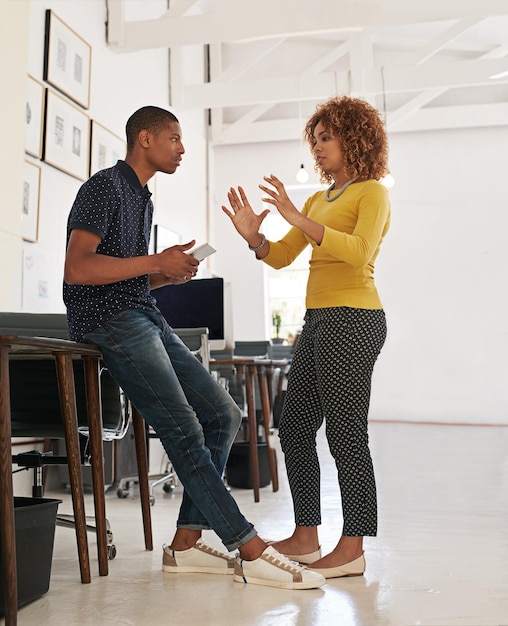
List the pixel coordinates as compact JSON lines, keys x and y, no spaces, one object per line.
{"x":63,"y":351}
{"x":249,"y":369}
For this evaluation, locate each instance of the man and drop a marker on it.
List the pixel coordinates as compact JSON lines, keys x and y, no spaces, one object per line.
{"x":107,"y":281}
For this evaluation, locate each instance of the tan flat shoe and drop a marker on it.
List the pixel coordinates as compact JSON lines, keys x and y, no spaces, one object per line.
{"x":353,"y":568}
{"x":305,"y":559}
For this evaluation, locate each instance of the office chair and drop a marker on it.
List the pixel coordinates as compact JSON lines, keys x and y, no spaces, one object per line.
{"x":252,"y":349}
{"x":231,"y":375}
{"x":276,"y":352}
{"x":35,"y":412}
{"x":260,"y":349}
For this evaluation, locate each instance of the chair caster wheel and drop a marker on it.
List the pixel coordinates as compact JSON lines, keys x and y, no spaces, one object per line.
{"x":168,"y":488}
{"x":111,"y":552}
{"x":122,"y":493}
{"x":152,"y":500}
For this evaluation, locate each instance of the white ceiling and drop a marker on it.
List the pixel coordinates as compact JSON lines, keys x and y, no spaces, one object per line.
{"x":425,"y":65}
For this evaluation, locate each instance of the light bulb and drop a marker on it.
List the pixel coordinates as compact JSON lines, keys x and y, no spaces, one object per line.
{"x":302,"y":176}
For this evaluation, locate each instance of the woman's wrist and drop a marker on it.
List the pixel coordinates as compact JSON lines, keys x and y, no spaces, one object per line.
{"x":257,"y":242}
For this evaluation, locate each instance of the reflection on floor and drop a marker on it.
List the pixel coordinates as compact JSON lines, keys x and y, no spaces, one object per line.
{"x":441,"y":557}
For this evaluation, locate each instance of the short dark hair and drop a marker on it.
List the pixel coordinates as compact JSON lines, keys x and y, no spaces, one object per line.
{"x":149,"y":118}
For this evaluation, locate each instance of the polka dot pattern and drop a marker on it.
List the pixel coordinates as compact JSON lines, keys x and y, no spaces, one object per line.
{"x":114,"y":205}
{"x":330,"y":381}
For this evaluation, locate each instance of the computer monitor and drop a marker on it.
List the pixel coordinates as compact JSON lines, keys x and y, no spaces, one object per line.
{"x":200,"y":302}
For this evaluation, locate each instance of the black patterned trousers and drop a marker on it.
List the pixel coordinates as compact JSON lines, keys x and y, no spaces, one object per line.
{"x":330,"y":379}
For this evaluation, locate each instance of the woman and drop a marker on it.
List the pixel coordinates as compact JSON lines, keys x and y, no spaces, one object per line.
{"x":345,"y":327}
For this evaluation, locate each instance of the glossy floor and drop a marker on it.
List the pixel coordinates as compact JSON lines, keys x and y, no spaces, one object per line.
{"x":441,"y":557}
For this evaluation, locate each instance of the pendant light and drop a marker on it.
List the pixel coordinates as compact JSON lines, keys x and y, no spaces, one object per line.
{"x":302,"y":175}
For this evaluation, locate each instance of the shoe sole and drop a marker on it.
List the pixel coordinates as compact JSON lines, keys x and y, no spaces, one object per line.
{"x":171,"y":569}
{"x":336,"y":573}
{"x":277,"y":583}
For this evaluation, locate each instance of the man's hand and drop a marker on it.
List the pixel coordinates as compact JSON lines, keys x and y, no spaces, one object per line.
{"x":179,"y":266}
{"x":175,"y":264}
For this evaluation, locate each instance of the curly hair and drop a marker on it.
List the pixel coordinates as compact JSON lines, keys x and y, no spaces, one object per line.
{"x":361,"y":133}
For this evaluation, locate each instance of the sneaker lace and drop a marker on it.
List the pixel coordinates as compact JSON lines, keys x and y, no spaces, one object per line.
{"x":288,"y":563}
{"x":206,"y":548}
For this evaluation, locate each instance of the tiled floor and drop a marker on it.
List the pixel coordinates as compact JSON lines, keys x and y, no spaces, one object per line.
{"x":441,"y":557}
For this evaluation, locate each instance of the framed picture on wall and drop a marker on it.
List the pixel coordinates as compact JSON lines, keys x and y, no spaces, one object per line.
{"x":34,"y":116}
{"x":67,"y":60}
{"x":106,"y":148}
{"x":30,"y":201}
{"x":66,"y":136}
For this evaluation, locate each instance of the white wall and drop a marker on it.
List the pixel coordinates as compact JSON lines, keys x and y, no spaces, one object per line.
{"x":442,"y":277}
{"x":120,"y":84}
{"x":13,"y":45}
{"x":440,"y":272}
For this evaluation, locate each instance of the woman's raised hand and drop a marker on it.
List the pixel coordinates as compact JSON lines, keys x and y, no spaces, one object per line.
{"x":280,"y":199}
{"x":246,"y":222}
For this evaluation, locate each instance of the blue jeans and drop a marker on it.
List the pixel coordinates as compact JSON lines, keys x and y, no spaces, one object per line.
{"x":195,"y":418}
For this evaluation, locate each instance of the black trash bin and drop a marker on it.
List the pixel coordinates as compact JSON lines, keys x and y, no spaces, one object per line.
{"x":35,"y":521}
{"x":238,"y":467}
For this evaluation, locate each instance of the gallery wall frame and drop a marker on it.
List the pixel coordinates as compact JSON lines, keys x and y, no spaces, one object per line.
{"x":42,"y":281}
{"x":34,"y":116}
{"x":66,"y":136}
{"x":105,"y":147}
{"x":67,"y":60}
{"x":30,"y":201}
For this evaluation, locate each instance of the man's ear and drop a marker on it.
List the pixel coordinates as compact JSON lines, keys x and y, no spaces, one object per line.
{"x":144,"y":138}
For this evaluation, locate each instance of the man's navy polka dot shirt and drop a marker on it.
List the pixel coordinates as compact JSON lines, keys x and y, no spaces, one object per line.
{"x":114,"y":205}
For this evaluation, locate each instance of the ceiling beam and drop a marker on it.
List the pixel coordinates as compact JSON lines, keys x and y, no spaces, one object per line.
{"x":236,"y":70}
{"x":368,"y":31}
{"x":375,"y":81}
{"x":440,"y":42}
{"x":463,"y":116}
{"x":425,"y":119}
{"x":287,"y":18}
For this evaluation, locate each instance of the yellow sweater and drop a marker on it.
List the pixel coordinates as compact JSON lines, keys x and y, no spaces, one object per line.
{"x":342,"y":267}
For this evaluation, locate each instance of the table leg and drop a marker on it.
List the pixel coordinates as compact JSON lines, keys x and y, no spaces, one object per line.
{"x":65,"y":375}
{"x":267,"y":412}
{"x":269,"y":381}
{"x":7,"y":527}
{"x":144,"y":488}
{"x":95,"y":425}
{"x":253,"y":430}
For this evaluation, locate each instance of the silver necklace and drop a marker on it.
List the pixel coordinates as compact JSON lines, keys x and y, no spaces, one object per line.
{"x":340,"y":192}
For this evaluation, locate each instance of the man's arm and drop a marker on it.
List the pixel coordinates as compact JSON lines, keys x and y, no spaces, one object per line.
{"x":84,"y":266}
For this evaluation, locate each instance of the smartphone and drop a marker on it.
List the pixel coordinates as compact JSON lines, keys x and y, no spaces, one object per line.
{"x":201,"y":252}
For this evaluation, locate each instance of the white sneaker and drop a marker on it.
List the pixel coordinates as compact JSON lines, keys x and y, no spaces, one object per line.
{"x":200,"y":559}
{"x":275,"y":570}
